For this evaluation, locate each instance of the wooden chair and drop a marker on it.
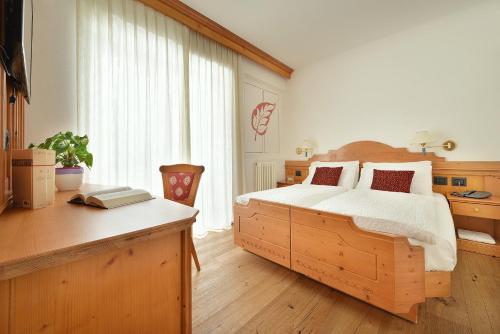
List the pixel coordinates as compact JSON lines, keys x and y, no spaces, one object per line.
{"x":180,"y":184}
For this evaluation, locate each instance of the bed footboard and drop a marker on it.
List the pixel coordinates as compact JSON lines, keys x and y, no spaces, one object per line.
{"x":380,"y":269}
{"x":263,"y":228}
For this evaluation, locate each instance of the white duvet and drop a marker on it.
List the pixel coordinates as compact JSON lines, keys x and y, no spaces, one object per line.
{"x":405,"y":214}
{"x":425,"y":220}
{"x":304,"y":195}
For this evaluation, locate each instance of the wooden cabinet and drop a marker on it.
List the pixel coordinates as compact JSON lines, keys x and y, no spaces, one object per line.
{"x":296,"y":171}
{"x":11,"y":122}
{"x":482,"y":215}
{"x":474,"y":209}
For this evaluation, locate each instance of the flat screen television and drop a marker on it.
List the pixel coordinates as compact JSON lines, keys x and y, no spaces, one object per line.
{"x":16,"y":42}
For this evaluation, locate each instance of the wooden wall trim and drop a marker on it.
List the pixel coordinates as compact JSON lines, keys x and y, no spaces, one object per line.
{"x":211,"y":29}
{"x":480,"y":166}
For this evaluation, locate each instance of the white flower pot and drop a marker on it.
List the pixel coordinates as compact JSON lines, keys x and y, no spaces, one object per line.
{"x":69,"y":178}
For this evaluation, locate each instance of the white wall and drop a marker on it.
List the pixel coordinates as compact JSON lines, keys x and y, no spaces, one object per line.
{"x":266,"y":79}
{"x":53,"y":100}
{"x":443,"y":76}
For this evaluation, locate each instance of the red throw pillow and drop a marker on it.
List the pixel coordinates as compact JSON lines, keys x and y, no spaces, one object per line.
{"x":327,"y":176}
{"x":392,"y":180}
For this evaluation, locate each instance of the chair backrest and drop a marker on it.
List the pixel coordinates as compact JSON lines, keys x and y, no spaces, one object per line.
{"x":180,"y":182}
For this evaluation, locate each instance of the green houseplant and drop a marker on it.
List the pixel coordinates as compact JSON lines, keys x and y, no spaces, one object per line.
{"x":71,"y":152}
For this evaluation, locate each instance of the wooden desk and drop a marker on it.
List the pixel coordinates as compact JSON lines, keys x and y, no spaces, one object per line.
{"x":76,"y":269}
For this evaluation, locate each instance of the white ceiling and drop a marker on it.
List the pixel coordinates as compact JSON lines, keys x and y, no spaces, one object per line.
{"x":299,"y":32}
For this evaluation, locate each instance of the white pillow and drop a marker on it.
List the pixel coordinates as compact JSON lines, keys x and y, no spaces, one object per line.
{"x":348,"y":178}
{"x":420,"y":184}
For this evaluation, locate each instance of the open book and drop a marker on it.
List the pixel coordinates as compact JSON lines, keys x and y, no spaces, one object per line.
{"x":111,"y":198}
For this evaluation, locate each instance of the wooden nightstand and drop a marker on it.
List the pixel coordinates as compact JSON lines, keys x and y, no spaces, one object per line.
{"x":281,"y":184}
{"x":481,"y":215}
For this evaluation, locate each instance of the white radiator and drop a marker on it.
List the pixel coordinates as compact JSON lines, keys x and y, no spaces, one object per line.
{"x":265,"y":175}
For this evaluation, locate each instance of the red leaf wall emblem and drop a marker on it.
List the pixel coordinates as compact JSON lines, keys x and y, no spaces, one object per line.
{"x":261,"y":116}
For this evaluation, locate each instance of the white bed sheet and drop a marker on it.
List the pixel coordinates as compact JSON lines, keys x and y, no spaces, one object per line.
{"x":303,"y":195}
{"x":425,"y":220}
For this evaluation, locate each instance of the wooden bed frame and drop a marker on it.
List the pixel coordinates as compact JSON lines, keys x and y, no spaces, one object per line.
{"x":381,"y":269}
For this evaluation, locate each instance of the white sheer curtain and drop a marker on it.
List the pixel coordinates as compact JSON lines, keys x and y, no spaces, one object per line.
{"x":131,"y":95}
{"x":152,"y":92}
{"x":212,"y":100}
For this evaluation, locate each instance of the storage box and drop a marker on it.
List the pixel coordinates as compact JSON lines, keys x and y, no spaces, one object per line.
{"x":33,"y":178}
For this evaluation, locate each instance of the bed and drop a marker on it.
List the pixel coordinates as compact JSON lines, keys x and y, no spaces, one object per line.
{"x":310,"y":236}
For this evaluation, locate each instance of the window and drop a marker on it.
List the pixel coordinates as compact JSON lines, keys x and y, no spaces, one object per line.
{"x":151,"y":92}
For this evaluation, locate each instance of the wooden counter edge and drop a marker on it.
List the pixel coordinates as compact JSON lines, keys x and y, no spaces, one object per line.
{"x":61,"y":256}
{"x":492,"y":200}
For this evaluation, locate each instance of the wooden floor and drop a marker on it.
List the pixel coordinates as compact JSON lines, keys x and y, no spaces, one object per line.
{"x":238,"y":292}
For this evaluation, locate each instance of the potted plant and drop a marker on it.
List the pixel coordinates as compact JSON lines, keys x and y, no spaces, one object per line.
{"x":71,"y":151}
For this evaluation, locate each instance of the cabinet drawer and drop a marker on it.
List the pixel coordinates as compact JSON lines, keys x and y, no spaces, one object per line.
{"x":476,"y":210}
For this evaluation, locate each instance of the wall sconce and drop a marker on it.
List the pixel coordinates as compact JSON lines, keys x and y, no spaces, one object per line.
{"x":424,"y":138}
{"x":306,"y":148}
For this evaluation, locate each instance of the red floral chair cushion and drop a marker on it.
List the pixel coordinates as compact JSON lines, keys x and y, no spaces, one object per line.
{"x":327,"y":176}
{"x":180,"y":185}
{"x":392,"y":180}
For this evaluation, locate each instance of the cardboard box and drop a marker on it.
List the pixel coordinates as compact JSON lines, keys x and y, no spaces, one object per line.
{"x":33,"y":178}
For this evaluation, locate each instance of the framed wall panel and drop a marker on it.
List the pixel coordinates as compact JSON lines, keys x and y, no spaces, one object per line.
{"x":260,"y":115}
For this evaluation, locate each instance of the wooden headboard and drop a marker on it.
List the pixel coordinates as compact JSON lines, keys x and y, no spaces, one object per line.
{"x":479,"y":175}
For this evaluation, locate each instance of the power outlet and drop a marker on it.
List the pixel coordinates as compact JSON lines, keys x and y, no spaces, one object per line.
{"x":459,"y":181}
{"x":440,"y":180}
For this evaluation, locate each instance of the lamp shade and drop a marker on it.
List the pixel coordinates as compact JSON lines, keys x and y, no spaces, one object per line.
{"x":423,"y":137}
{"x":307,"y":144}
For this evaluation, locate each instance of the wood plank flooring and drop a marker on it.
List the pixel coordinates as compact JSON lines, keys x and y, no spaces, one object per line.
{"x":238,"y":292}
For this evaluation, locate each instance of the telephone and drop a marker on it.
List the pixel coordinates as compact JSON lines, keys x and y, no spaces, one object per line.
{"x":472,"y":194}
